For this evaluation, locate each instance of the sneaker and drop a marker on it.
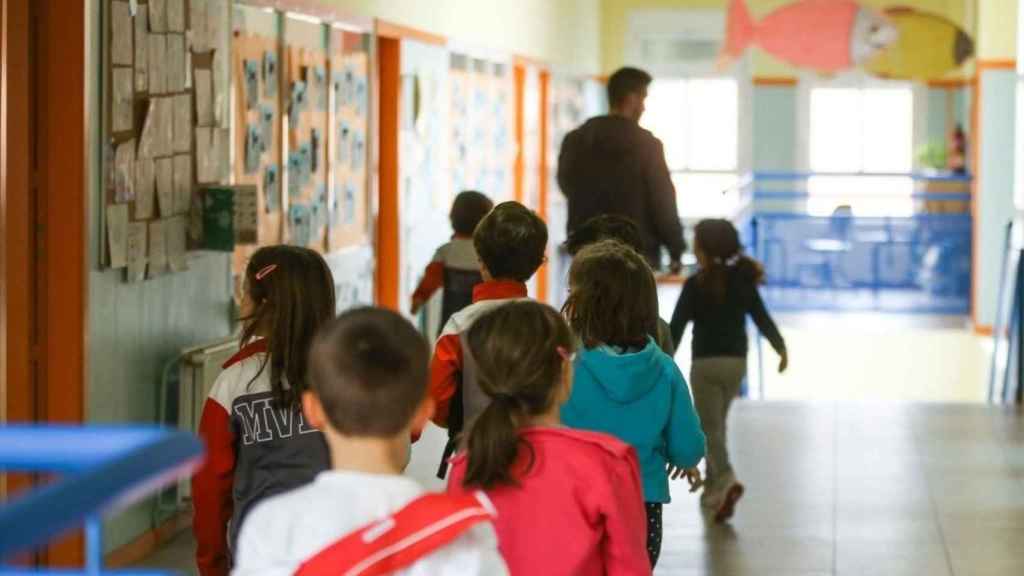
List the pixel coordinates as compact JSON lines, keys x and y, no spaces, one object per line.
{"x":727,"y":507}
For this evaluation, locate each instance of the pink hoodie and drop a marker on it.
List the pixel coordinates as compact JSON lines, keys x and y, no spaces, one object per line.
{"x":578,"y":511}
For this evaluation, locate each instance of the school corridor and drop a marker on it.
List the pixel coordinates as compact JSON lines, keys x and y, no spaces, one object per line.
{"x":194,"y":194}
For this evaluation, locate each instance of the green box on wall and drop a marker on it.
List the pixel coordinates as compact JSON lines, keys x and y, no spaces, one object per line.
{"x":219,"y":219}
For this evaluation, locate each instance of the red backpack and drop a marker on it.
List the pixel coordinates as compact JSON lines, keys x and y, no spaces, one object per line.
{"x":386,"y":546}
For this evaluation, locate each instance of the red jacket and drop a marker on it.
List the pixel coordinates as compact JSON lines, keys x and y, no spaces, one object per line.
{"x":588,"y":485}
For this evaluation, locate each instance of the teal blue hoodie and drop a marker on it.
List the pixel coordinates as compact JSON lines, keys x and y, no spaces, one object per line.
{"x":642,"y":399}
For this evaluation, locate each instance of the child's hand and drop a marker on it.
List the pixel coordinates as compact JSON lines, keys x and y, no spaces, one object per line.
{"x":783,"y":361}
{"x":416,"y":305}
{"x":692,"y":476}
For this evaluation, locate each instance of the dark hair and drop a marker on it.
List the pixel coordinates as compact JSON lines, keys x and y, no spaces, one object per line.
{"x":468,"y":209}
{"x":510,"y":241}
{"x":719,"y":242}
{"x":626,"y":81}
{"x":605,"y":227}
{"x":613,"y":297}
{"x":369,"y":369}
{"x":293,"y":293}
{"x":519,"y":367}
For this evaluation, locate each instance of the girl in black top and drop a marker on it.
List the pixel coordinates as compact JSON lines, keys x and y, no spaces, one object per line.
{"x":717,"y":300}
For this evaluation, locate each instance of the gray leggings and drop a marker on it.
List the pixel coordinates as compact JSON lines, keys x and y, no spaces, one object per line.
{"x":716,"y":382}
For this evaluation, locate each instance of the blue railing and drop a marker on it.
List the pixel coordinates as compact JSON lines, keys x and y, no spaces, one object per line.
{"x":852,"y":245}
{"x":99,"y":470}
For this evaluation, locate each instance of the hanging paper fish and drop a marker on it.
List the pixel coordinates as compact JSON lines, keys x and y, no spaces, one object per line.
{"x":928,"y":47}
{"x":823,"y":35}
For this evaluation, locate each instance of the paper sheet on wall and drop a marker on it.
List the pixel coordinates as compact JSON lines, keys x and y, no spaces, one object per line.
{"x":175,"y":230}
{"x":222,"y":154}
{"x":216,"y":22}
{"x":247,"y":220}
{"x":145,"y":188}
{"x":121,"y":28}
{"x":175,"y":15}
{"x":157,"y":248}
{"x":136,"y":251}
{"x":124,"y":172}
{"x":182,"y":123}
{"x":158,"y":15}
{"x":220,"y":88}
{"x":157,"y":63}
{"x":198,"y":20}
{"x":123,"y":103}
{"x":165,"y":185}
{"x":142,"y":51}
{"x":205,"y":171}
{"x":147,"y":147}
{"x":175,"y":69}
{"x":204,"y":97}
{"x":163,"y":135}
{"x":182,"y":183}
{"x":117,"y":234}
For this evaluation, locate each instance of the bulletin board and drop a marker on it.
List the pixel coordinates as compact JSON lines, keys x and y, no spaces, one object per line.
{"x":482,"y":124}
{"x":257,"y":135}
{"x":306,"y":171}
{"x":348,"y":195}
{"x":158,"y":148}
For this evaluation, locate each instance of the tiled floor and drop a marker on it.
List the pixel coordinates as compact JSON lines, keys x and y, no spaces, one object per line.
{"x":843,"y":488}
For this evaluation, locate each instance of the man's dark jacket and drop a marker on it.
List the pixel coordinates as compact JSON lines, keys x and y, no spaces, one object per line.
{"x":611,"y":165}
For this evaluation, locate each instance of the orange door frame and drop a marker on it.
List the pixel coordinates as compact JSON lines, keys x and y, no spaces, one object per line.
{"x":389,"y":77}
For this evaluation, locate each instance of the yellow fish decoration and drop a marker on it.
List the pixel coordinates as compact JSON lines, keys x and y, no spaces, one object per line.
{"x":928,"y":47}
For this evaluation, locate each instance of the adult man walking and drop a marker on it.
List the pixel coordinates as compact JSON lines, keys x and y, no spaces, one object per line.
{"x":611,"y":165}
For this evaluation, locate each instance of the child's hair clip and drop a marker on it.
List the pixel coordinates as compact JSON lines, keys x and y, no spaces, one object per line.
{"x":265,"y":271}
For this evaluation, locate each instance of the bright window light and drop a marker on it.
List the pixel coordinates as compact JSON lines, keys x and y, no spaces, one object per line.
{"x":697,"y":120}
{"x":861,"y":131}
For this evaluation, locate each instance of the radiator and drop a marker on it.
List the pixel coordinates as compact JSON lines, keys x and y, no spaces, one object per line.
{"x":198,"y":370}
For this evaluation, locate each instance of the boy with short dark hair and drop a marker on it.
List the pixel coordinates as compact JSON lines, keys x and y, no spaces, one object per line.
{"x":454,"y":267}
{"x":368,"y":372}
{"x":510,"y":242}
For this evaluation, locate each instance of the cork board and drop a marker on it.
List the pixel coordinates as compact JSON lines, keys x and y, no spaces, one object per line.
{"x":348,"y":195}
{"x":257,"y":135}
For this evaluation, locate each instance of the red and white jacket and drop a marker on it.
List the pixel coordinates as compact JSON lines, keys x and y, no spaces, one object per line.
{"x":357,"y":524}
{"x":254,"y":450}
{"x":447,"y":363}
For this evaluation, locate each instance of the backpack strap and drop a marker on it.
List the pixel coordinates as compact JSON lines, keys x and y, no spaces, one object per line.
{"x":385,"y":546}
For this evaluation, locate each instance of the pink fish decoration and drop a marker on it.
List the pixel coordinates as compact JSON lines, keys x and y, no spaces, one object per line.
{"x":823,"y":35}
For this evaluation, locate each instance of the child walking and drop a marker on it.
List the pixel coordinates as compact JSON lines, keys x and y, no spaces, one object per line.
{"x":567,"y":501}
{"x":368,"y":373}
{"x":258,"y":443}
{"x":510,"y":242}
{"x":717,"y":300}
{"x":624,"y":384}
{"x":455,"y":267}
{"x":615,"y":227}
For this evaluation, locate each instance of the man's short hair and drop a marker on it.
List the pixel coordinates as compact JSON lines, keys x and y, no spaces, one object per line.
{"x":626,"y":81}
{"x":369,"y":367}
{"x":605,"y":227}
{"x":510,"y":241}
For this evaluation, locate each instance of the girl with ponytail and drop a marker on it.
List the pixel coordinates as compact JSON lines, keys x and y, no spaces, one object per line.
{"x":717,"y":300}
{"x":568,"y":502}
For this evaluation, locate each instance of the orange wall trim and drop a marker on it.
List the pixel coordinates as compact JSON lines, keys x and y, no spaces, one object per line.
{"x":774,"y":81}
{"x":389,"y":59}
{"x":146,"y":544}
{"x":519,"y":178}
{"x":397,"y":31}
{"x":545,"y":90}
{"x":996,"y":65}
{"x":951,"y":83}
{"x":983,"y":330}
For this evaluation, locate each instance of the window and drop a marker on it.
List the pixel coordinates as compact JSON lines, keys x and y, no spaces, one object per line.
{"x":697,"y":121}
{"x":856,"y":131}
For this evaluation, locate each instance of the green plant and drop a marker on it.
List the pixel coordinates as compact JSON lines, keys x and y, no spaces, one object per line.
{"x":932,"y":155}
